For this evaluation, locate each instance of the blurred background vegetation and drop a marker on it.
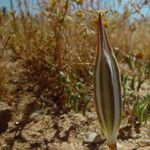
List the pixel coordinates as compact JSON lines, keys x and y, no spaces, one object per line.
{"x":55,"y":41}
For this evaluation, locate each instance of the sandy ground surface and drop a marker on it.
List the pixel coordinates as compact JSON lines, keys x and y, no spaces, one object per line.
{"x":35,"y":127}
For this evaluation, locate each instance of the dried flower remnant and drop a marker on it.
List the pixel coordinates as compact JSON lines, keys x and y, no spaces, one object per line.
{"x":79,"y":13}
{"x":52,"y":3}
{"x":79,"y":2}
{"x":106,"y":23}
{"x":107,"y":89}
{"x":139,"y":55}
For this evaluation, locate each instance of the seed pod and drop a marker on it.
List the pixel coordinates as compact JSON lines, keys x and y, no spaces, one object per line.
{"x":107,"y":88}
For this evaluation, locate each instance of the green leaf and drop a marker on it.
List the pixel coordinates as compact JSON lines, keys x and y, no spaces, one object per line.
{"x":129,"y":61}
{"x":132,"y":83}
{"x":62,"y":77}
{"x":144,"y":111}
{"x":75,"y":103}
{"x":69,"y":93}
{"x":86,"y":101}
{"x":141,"y":109}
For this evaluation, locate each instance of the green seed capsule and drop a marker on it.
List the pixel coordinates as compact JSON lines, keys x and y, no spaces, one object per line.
{"x":107,"y":88}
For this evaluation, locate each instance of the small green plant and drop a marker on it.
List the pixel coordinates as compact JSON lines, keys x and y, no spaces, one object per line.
{"x":137,"y":65}
{"x":140,"y":82}
{"x":77,"y":97}
{"x":129,"y":61}
{"x":136,"y":83}
{"x":132,"y":83}
{"x":141,"y":109}
{"x":124,"y":81}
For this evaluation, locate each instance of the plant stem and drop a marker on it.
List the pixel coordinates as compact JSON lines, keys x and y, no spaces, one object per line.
{"x":113,"y":146}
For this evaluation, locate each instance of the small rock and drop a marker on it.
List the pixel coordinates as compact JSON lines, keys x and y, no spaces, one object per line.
{"x":92,"y":137}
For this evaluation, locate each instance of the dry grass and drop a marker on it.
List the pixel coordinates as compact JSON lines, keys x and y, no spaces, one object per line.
{"x":59,"y":39}
{"x":3,"y":82}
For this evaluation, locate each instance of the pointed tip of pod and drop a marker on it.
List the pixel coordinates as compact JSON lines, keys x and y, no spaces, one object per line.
{"x":100,"y":23}
{"x":101,"y":31}
{"x":113,"y":146}
{"x":100,"y":18}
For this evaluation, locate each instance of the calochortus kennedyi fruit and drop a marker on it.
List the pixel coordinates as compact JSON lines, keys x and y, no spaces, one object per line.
{"x":107,"y":88}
